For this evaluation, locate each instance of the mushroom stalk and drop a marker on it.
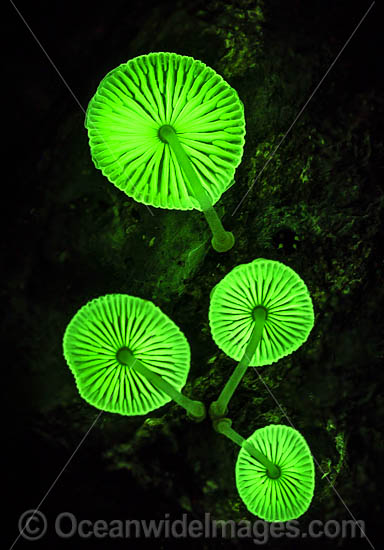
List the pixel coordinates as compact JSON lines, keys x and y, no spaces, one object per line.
{"x":218,"y":408}
{"x":224,"y":427}
{"x":195,"y":409}
{"x":222,"y":240}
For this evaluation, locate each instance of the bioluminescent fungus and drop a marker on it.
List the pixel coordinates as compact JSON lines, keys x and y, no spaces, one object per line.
{"x":259,"y":312}
{"x":224,"y":426}
{"x":281,"y":493}
{"x":169,"y":132}
{"x":128,"y":357}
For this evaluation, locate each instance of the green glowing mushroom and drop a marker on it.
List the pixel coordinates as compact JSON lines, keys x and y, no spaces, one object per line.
{"x":259,"y":312}
{"x":278,"y":485}
{"x":128,"y":357}
{"x":169,"y":132}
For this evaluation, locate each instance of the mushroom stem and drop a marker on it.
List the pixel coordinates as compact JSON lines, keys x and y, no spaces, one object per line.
{"x":223,"y":426}
{"x":195,"y":409}
{"x":222,"y":240}
{"x":218,"y":408}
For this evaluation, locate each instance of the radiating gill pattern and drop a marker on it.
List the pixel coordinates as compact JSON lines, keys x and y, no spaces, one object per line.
{"x":278,"y":289}
{"x":107,"y":324}
{"x":288,"y":496}
{"x":131,"y":104}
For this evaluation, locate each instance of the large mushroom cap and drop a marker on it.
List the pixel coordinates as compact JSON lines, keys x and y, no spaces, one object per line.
{"x":106,"y":325}
{"x":136,"y":99}
{"x":275,"y":287}
{"x":288,"y":496}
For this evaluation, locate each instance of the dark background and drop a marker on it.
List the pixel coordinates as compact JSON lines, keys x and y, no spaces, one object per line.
{"x":70,"y":236}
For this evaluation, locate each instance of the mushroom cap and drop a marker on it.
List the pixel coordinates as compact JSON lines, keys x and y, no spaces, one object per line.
{"x":288,"y":496}
{"x":104,"y":326}
{"x":283,"y":294}
{"x":131,"y":104}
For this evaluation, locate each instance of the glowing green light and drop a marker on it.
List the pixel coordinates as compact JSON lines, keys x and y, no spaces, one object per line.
{"x":287,"y":495}
{"x":169,"y":132}
{"x":222,"y":240}
{"x":276,"y":288}
{"x":224,"y":426}
{"x":127,"y":356}
{"x":218,"y":408}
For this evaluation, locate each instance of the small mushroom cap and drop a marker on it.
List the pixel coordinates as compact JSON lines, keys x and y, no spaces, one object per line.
{"x":114,"y":322}
{"x":288,"y":496}
{"x":136,"y":99}
{"x":283,"y":294}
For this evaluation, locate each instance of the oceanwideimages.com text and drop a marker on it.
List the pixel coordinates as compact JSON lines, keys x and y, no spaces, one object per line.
{"x":33,"y":525}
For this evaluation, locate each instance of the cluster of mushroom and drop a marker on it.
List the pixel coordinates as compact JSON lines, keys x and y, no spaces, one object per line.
{"x":169,"y":131}
{"x":128,"y":357}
